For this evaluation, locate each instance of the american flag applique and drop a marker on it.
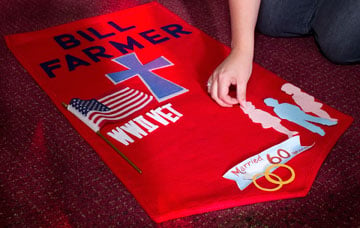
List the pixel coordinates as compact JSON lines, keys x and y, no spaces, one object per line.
{"x":109,"y":108}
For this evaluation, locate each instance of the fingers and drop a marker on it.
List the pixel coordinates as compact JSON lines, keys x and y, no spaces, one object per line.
{"x":214,"y":91}
{"x":223,"y":93}
{"x":241,"y":93}
{"x":219,"y":91}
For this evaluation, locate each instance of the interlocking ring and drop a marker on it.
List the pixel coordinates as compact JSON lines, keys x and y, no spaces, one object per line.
{"x":267,"y":174}
{"x":279,"y":181}
{"x":266,"y":189}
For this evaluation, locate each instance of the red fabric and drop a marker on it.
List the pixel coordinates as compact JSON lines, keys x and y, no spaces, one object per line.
{"x":182,"y":162}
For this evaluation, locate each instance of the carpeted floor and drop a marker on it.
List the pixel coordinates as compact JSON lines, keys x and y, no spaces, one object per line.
{"x":49,"y":176}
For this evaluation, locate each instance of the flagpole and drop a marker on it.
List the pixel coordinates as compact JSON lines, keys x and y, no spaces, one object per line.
{"x":119,"y":152}
{"x":114,"y":147}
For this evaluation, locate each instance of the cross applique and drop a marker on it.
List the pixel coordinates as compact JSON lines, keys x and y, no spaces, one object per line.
{"x":161,"y":88}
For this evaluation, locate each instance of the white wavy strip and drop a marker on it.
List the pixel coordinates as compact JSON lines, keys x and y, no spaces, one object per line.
{"x":115,"y":104}
{"x":97,"y":113}
{"x":129,"y":112}
{"x":136,"y":101}
{"x":113,"y":94}
{"x":107,"y":103}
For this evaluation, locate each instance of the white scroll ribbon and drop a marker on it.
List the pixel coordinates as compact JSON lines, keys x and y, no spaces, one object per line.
{"x":243,"y":172}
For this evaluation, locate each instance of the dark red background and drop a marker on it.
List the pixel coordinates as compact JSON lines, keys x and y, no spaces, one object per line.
{"x":50,"y":179}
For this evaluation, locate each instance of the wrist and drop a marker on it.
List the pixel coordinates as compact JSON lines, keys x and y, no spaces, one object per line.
{"x":243,"y":54}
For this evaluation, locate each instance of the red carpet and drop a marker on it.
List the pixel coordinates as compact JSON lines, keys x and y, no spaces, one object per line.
{"x":50,"y":177}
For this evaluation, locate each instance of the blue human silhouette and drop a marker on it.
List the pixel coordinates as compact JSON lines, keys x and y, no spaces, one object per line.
{"x":294,"y":114}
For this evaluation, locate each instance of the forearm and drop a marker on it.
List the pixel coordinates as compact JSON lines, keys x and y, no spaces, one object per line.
{"x":243,"y":21}
{"x":237,"y":67}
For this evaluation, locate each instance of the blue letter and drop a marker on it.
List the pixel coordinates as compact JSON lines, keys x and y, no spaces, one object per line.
{"x":95,"y":52}
{"x":174,"y":29}
{"x":130,"y":45}
{"x":152,"y":38}
{"x":98,"y":35}
{"x":119,"y":28}
{"x":49,"y":66}
{"x":74,"y":62}
{"x":67,"y":41}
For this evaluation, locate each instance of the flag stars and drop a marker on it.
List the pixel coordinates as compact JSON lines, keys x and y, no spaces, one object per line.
{"x":85,"y":106}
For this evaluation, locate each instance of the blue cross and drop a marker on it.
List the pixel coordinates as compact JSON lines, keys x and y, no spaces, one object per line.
{"x":161,"y":88}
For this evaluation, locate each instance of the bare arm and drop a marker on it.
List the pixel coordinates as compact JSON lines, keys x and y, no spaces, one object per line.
{"x":236,"y":68}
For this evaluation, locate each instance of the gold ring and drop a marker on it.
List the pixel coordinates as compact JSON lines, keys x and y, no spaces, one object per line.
{"x":268,"y":174}
{"x":267,"y":189}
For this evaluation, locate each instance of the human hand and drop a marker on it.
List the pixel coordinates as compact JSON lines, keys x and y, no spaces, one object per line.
{"x":234,"y":70}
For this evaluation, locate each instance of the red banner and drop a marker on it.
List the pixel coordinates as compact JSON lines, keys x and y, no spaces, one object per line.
{"x":136,"y":79}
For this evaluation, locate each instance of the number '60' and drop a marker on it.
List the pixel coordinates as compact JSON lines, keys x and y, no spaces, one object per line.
{"x":282,"y":154}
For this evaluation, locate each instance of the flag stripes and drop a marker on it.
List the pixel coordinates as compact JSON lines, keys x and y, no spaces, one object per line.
{"x":112,"y":107}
